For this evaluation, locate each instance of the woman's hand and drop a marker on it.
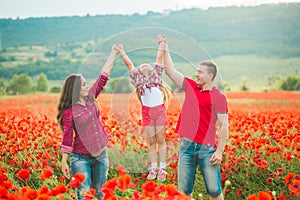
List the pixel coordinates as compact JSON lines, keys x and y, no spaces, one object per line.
{"x":118,"y":47}
{"x":64,"y":165}
{"x":161,"y":39}
{"x":65,"y":170}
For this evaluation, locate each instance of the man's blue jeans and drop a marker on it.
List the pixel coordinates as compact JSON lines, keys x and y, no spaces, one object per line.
{"x":95,"y":170}
{"x":191,"y":156}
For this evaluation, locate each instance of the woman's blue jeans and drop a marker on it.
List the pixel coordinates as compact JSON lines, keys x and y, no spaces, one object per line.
{"x":95,"y":170}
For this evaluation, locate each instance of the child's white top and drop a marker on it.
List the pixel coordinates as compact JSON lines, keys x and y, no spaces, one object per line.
{"x":152,"y":97}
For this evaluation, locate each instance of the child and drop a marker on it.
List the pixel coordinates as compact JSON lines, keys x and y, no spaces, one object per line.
{"x":148,"y":82}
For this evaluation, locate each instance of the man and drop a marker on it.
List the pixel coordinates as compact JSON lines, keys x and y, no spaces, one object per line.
{"x":203,"y":107}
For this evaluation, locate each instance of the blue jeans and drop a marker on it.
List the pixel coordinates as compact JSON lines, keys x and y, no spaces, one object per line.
{"x":191,"y":155}
{"x":95,"y":170}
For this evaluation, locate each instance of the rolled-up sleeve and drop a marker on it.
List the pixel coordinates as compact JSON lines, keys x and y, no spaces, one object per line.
{"x":67,"y":141}
{"x":159,"y":68}
{"x":99,"y":84}
{"x":134,"y":76}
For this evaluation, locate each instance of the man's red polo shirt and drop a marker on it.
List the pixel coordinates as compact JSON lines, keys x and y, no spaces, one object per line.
{"x":197,"y":121}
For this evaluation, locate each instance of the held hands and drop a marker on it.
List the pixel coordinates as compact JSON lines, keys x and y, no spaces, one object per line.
{"x":118,"y":47}
{"x":162,"y":41}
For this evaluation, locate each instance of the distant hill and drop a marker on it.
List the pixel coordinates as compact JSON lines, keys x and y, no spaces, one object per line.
{"x":248,"y":43}
{"x":267,"y":30}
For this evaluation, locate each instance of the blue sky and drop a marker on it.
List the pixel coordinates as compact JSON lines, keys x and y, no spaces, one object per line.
{"x":42,"y":8}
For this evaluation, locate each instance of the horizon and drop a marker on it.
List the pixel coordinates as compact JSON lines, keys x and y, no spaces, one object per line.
{"x":20,"y":9}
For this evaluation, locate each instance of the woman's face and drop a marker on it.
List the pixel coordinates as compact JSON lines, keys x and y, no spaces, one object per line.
{"x":84,"y":88}
{"x":145,"y":69}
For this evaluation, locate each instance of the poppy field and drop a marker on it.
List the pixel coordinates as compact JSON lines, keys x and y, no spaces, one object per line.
{"x":261,"y":158}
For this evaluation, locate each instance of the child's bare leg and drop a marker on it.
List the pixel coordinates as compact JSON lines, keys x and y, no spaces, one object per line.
{"x":160,"y":138}
{"x":150,"y":132}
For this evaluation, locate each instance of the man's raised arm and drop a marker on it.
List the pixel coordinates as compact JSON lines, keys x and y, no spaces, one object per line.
{"x":171,"y":72}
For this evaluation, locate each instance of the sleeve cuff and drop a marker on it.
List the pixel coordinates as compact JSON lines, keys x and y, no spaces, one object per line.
{"x":66,"y":149}
{"x":159,"y":65}
{"x":105,"y":74}
{"x":133,"y":73}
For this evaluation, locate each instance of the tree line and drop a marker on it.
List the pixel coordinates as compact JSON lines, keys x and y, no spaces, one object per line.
{"x":267,"y":30}
{"x":22,"y":84}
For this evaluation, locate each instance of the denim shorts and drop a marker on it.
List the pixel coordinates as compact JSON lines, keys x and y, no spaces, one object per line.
{"x":95,"y":170}
{"x":191,"y":155}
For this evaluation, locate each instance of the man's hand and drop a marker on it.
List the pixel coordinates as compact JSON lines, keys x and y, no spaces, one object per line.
{"x":118,"y":47}
{"x":216,"y":159}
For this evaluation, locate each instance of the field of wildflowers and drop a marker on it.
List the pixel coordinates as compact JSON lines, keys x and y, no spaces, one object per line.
{"x":261,"y":159}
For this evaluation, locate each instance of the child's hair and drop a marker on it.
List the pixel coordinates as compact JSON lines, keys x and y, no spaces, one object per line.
{"x":164,"y":89}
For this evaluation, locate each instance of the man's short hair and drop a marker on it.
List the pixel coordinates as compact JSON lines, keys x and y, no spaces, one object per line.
{"x":211,"y":67}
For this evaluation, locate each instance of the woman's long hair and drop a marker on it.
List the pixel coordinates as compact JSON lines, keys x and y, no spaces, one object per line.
{"x":69,"y":95}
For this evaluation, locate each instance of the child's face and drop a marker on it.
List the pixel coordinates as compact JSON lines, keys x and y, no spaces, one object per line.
{"x":145,"y":69}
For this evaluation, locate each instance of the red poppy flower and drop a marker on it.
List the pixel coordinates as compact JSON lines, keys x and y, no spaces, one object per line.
{"x":172,"y":190}
{"x":124,"y":182}
{"x":80,"y":177}
{"x":252,"y":197}
{"x":3,"y":192}
{"x":295,"y":187}
{"x":149,"y":186}
{"x":90,"y":195}
{"x":24,"y":174}
{"x":61,"y":188}
{"x":288,"y":178}
{"x":264,"y":196}
{"x":44,"y":190}
{"x":269,"y":180}
{"x":121,"y":170}
{"x":47,"y":173}
{"x":74,"y":183}
{"x":32,"y":194}
{"x":111,"y":184}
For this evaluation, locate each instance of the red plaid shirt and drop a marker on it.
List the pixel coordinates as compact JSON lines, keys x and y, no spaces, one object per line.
{"x":90,"y":135}
{"x":141,"y":82}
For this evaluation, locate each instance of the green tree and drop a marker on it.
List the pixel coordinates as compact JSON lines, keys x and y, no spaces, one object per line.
{"x":55,"y":89}
{"x":2,"y":87}
{"x":42,"y":83}
{"x":19,"y":84}
{"x":244,"y":85}
{"x":119,"y":85}
{"x":291,"y":82}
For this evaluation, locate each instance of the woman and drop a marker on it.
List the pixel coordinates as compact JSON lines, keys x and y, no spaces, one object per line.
{"x":78,"y":113}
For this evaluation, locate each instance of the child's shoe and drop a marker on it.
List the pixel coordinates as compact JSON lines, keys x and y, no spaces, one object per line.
{"x":162,"y":174}
{"x":152,"y":173}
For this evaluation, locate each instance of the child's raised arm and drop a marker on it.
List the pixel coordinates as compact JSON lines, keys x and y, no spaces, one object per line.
{"x":160,"y":52}
{"x":120,"y":49}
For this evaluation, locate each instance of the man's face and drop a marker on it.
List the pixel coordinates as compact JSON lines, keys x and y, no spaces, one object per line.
{"x":202,"y":75}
